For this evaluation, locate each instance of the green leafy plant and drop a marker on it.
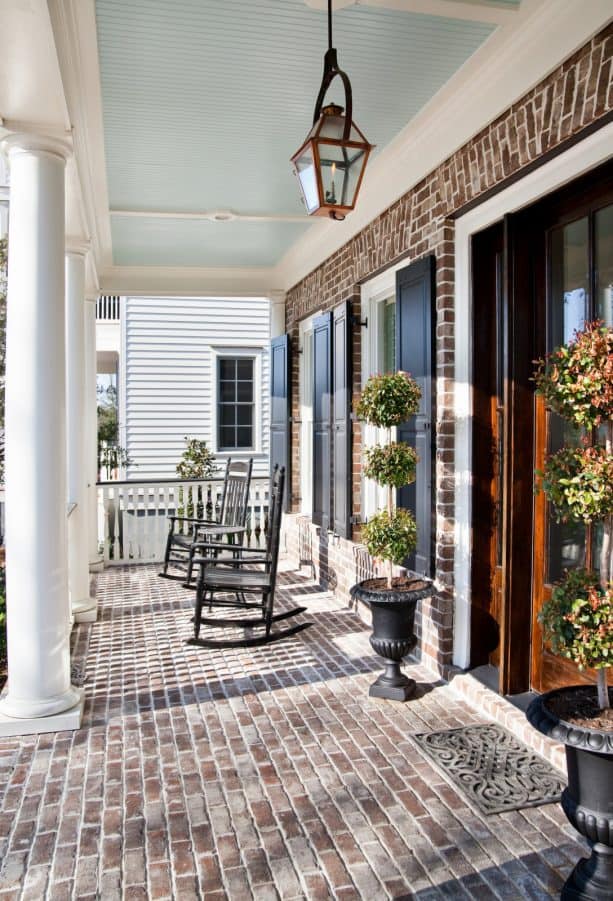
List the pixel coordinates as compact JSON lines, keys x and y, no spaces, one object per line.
{"x":576,"y":381}
{"x":578,"y":481}
{"x":197,"y":461}
{"x":578,"y":620}
{"x":390,"y":464}
{"x":387,"y":401}
{"x":391,"y":536}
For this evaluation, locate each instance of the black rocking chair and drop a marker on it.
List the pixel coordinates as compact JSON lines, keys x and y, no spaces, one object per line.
{"x":227,"y":579}
{"x":182,"y":547}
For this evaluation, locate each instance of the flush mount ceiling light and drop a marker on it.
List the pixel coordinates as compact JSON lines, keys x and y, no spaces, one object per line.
{"x":331,"y":161}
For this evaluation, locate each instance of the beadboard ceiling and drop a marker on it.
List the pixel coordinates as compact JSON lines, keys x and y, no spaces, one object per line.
{"x":204,"y":102}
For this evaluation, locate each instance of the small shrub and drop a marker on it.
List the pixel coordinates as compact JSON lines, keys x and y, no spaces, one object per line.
{"x":197,"y":462}
{"x":391,"y":464}
{"x":578,"y":620}
{"x":388,"y":400}
{"x":391,"y":536}
{"x":578,"y":481}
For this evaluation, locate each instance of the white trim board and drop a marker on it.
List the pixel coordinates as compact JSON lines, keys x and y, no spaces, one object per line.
{"x":593,"y":150}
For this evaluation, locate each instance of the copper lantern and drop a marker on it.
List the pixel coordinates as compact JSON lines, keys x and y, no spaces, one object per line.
{"x":330,"y":163}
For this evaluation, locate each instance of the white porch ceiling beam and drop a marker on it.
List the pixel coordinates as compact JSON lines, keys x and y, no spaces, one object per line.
{"x":220,"y":216}
{"x":166,"y":281}
{"x":471,"y":10}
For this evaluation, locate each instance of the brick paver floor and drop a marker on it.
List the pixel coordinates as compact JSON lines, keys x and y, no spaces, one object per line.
{"x":265,"y":773}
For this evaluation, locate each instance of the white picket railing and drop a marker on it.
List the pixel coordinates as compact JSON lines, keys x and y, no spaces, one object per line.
{"x":133,"y":516}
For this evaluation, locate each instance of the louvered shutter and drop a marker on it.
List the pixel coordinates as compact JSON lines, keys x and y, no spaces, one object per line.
{"x":280,"y":408}
{"x":341,"y":412}
{"x":322,"y":419}
{"x":415,"y":293}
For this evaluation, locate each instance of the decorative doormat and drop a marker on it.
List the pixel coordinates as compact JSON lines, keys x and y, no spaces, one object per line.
{"x":492,"y":768}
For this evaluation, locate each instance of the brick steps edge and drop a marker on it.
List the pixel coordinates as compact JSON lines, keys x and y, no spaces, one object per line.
{"x":503,"y":712}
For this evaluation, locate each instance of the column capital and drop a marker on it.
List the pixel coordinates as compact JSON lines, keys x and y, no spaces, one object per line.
{"x":24,"y":142}
{"x":77,"y":247}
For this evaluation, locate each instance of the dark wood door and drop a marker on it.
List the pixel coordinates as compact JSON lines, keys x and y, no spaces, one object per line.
{"x":575,"y":285}
{"x":489,"y":370}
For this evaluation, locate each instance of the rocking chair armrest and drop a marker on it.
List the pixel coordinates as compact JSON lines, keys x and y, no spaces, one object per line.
{"x":235,"y":561}
{"x":226,"y":546}
{"x":201,"y":522}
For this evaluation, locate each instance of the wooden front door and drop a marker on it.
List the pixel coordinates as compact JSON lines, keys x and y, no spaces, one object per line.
{"x":574,"y":285}
{"x":489,"y":360}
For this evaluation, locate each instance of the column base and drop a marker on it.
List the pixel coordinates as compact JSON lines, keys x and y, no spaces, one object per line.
{"x":34,"y":725}
{"x":85,"y":611}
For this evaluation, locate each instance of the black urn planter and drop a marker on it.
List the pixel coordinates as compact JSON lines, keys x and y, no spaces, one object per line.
{"x":588,"y":799}
{"x":393,"y":618}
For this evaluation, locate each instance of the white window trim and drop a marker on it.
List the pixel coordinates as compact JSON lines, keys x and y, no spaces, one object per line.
{"x":593,"y":150}
{"x":249,"y":353}
{"x":305,"y":377}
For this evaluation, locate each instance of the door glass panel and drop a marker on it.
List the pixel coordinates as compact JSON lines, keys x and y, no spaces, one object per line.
{"x":570,"y":273}
{"x":389,"y":336}
{"x":568,"y":310}
{"x":604,"y":264}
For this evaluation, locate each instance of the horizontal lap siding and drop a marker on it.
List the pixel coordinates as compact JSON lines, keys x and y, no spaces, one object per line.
{"x":169,"y":373}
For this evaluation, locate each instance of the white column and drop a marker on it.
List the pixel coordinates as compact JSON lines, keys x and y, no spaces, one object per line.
{"x":91,"y":433}
{"x":277,"y":313}
{"x":84,"y":608}
{"x":40,"y":697}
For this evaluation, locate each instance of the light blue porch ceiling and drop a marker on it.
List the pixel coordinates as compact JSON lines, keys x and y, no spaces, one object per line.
{"x":204,"y":102}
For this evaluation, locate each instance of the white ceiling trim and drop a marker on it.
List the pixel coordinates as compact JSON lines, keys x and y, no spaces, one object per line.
{"x":220,"y":216}
{"x":74,"y":29}
{"x":512,"y":61}
{"x":470,"y":10}
{"x":188,"y":281}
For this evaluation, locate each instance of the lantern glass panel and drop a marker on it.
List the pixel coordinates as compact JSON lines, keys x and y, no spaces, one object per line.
{"x":305,"y":167}
{"x":341,"y":168}
{"x":333,"y":127}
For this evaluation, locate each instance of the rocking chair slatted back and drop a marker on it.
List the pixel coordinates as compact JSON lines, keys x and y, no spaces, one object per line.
{"x":235,"y":498}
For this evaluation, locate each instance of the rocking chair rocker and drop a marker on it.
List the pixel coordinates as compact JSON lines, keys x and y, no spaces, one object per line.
{"x":227,"y":579}
{"x":181,"y":548}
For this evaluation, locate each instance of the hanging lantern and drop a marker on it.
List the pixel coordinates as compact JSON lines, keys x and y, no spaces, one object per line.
{"x":330,"y":163}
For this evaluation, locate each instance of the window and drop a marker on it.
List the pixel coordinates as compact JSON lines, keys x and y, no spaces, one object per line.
{"x":235,"y":403}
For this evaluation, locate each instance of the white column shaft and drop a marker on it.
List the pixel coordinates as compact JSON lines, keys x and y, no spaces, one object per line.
{"x":36,"y":534}
{"x":277,"y":314}
{"x":91,"y":430}
{"x":83,"y":606}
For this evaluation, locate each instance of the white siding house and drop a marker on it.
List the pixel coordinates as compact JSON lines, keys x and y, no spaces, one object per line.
{"x":194,"y":367}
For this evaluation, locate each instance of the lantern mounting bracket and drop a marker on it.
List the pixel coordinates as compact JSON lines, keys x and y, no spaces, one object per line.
{"x":331,"y":70}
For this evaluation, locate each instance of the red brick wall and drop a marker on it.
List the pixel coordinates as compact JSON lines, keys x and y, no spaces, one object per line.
{"x":572,"y":98}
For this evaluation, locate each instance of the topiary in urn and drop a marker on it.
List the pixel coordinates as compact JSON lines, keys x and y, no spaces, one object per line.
{"x":576,"y":381}
{"x":390,"y":535}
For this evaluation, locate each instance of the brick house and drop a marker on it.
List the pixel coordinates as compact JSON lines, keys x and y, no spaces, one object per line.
{"x":487,"y":262}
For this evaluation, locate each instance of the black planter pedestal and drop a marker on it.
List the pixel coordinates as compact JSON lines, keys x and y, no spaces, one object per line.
{"x":393,"y":618}
{"x":588,"y":799}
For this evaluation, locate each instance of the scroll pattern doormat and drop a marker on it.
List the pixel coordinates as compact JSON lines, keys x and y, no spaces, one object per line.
{"x":492,"y":768}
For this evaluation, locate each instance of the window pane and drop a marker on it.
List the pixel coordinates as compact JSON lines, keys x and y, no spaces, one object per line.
{"x":243,"y":436}
{"x":244,"y":414}
{"x":244,"y":369}
{"x":227,"y":414}
{"x":227,"y":369}
{"x":244,"y":391}
{"x":227,"y":392}
{"x":227,"y":437}
{"x":389,"y":337}
{"x":604,"y":265}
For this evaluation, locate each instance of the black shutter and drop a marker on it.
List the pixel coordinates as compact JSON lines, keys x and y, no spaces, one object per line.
{"x":341,"y":411}
{"x":415,"y":292}
{"x":322,"y":419}
{"x":280,"y":408}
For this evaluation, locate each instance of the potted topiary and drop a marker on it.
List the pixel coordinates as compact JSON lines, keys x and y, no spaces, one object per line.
{"x":576,"y":381}
{"x":391,"y":534}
